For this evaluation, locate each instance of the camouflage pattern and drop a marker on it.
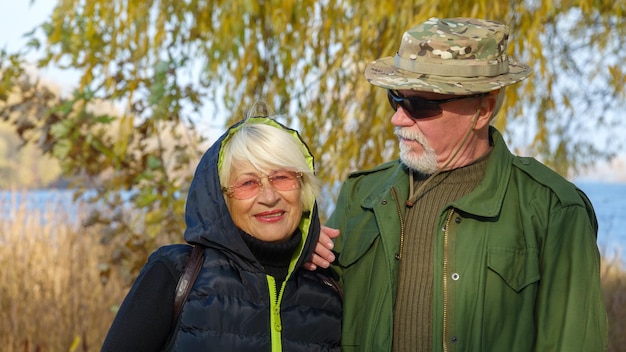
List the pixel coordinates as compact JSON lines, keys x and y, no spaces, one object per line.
{"x":456,"y":56}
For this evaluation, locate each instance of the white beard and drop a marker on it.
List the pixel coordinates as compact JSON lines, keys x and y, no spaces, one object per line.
{"x":425,"y":163}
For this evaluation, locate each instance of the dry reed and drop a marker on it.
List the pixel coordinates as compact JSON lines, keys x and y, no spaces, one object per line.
{"x":52,"y":296}
{"x":614,"y":288}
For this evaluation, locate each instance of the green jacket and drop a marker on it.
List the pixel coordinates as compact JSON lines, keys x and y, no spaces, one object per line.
{"x":516,"y":265}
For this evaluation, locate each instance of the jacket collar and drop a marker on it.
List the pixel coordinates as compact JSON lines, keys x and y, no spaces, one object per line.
{"x":486,"y":199}
{"x":398,"y":179}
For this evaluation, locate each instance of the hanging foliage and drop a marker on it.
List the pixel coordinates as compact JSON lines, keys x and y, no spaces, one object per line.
{"x":171,"y":63}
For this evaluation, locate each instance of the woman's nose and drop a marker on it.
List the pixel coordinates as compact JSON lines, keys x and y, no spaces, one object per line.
{"x":267,"y":191}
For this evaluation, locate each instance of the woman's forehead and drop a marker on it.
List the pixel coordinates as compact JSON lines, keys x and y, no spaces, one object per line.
{"x":245,"y":167}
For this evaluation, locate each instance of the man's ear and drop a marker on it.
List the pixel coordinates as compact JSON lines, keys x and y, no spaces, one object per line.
{"x":487,"y":108}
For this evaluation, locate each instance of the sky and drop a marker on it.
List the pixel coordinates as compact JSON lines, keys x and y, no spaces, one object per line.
{"x":19,"y":16}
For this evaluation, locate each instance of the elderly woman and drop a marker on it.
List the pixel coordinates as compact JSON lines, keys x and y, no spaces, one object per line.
{"x":251,"y":207}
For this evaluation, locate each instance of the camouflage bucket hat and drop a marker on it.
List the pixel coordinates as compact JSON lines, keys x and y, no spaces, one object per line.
{"x":457,"y":56}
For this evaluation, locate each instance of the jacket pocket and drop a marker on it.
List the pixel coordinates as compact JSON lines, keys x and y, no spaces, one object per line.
{"x":363,"y":233}
{"x":517,"y":267}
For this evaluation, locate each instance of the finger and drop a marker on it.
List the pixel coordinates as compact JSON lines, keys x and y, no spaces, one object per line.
{"x":309,"y":266}
{"x":327,"y":235}
{"x":324,"y":252}
{"x":330,"y":232}
{"x":325,"y":241}
{"x":320,"y":262}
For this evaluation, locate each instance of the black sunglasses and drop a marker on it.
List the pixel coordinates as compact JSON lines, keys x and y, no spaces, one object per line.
{"x":420,"y":108}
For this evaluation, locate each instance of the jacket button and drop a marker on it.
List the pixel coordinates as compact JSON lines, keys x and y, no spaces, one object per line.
{"x":454,"y":339}
{"x":397,"y":256}
{"x":457,"y":220}
{"x":383,"y":202}
{"x":455,"y":276}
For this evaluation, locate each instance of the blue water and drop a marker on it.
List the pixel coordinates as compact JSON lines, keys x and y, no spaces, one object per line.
{"x":41,"y":204}
{"x":609,"y":201}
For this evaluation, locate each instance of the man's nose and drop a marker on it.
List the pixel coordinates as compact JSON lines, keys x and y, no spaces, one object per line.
{"x":401,"y":118}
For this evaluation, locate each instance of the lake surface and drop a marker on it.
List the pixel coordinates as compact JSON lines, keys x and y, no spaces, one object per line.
{"x":42,"y":204}
{"x":609,"y":201}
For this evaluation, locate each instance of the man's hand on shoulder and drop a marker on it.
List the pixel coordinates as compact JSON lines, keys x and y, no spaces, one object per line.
{"x":323,"y":255}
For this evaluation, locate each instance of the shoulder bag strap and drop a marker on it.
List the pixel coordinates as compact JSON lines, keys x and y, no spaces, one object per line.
{"x":187,"y":279}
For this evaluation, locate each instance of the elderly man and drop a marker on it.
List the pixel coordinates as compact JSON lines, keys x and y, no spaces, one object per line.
{"x":459,"y":244}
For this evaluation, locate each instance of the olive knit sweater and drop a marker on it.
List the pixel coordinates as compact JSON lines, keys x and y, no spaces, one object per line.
{"x":413,"y":304}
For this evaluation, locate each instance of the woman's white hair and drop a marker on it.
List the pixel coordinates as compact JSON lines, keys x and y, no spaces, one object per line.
{"x":266,"y":148}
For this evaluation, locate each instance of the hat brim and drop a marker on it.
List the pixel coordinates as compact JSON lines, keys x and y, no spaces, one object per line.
{"x":383,"y":73}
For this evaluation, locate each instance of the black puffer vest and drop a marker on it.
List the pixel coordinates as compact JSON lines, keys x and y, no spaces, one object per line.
{"x":229,"y":309}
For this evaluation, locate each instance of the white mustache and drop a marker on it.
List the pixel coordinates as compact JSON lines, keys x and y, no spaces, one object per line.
{"x":408,"y":134}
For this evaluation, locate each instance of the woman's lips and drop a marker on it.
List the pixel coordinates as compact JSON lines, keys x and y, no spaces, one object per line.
{"x":270,"y":216}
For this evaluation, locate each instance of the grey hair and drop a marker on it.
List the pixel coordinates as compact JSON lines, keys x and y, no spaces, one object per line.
{"x":267,"y":147}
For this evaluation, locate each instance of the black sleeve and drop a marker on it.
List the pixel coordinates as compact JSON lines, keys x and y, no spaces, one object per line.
{"x":144,"y":320}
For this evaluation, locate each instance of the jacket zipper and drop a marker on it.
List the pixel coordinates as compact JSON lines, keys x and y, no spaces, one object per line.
{"x":395,"y":196}
{"x":445,"y":281}
{"x":276,"y":326}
